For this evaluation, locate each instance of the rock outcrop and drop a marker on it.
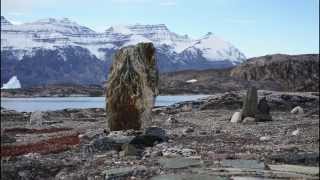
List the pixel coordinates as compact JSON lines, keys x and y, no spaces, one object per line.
{"x":293,"y":73}
{"x":132,"y":87}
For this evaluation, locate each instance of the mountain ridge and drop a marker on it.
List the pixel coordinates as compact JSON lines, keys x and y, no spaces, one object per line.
{"x":58,"y":36}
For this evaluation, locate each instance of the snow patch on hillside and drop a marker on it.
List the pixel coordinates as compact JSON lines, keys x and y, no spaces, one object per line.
{"x":13,"y":83}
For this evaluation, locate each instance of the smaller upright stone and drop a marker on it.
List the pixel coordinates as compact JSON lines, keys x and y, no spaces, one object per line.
{"x":263,"y":111}
{"x":249,"y":108}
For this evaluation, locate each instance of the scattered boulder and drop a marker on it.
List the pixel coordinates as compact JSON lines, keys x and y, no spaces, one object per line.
{"x":249,"y":108}
{"x":297,"y":110}
{"x":236,"y":117}
{"x":157,"y":132}
{"x":132,"y":87}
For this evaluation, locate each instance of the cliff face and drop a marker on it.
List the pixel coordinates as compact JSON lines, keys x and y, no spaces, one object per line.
{"x":292,"y":72}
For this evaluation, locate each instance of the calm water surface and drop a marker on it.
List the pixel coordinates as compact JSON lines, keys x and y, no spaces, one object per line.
{"x":56,"y":103}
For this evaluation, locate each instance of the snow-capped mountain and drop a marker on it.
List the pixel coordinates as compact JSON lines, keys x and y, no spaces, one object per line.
{"x":62,"y":47}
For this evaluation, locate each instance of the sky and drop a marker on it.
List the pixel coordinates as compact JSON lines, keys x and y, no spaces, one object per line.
{"x":255,"y":27}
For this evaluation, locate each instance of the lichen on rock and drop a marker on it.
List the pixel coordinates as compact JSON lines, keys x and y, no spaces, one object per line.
{"x":132,"y":87}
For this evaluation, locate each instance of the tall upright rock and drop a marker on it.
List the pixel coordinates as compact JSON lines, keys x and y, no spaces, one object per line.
{"x":249,"y":108}
{"x":132,"y":87}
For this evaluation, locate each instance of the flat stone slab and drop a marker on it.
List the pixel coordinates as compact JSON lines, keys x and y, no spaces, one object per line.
{"x":240,"y":163}
{"x":122,"y":172}
{"x":176,"y":163}
{"x":296,"y":168}
{"x":189,"y":177}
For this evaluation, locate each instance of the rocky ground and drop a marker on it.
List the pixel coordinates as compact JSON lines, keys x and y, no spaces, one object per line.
{"x":189,"y":140}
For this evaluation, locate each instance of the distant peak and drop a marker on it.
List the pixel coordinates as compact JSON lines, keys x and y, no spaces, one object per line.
{"x":209,"y":34}
{"x":4,"y":21}
{"x":56,"y":21}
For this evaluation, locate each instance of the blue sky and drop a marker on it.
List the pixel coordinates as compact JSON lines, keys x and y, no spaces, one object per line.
{"x":256,"y":27}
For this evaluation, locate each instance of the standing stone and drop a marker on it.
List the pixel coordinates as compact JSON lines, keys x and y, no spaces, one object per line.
{"x":249,"y":108}
{"x":132,"y":87}
{"x":263,"y":111}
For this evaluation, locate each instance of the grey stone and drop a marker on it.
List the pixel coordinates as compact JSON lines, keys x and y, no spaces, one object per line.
{"x":151,"y":136}
{"x":176,"y":163}
{"x":110,"y":143}
{"x":129,"y":150}
{"x":249,"y":108}
{"x":7,"y":139}
{"x":189,"y":177}
{"x":123,"y":172}
{"x":297,"y":110}
{"x":236,"y":117}
{"x":132,"y":87}
{"x":249,"y":120}
{"x":240,"y":163}
{"x":37,"y":118}
{"x":295,"y":168}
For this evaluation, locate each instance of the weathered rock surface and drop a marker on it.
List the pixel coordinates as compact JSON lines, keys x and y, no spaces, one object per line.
{"x":263,"y":113}
{"x":293,"y":73}
{"x":132,"y":87}
{"x":250,"y":101}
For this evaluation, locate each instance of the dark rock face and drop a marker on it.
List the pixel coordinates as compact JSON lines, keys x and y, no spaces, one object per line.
{"x":294,"y":73}
{"x":71,"y":64}
{"x":132,"y":87}
{"x":249,"y":108}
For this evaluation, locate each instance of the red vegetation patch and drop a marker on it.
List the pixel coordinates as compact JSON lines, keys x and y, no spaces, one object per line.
{"x":53,"y":145}
{"x":34,"y":131}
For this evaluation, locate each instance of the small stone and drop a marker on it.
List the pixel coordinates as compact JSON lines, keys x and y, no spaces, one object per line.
{"x":176,"y":163}
{"x":171,"y":120}
{"x":249,"y":120}
{"x":152,"y":136}
{"x":247,"y":164}
{"x":265,"y":138}
{"x":121,"y":173}
{"x":188,"y":130}
{"x":296,"y":169}
{"x":37,"y":118}
{"x":129,"y":150}
{"x":236,"y":117}
{"x":188,"y":152}
{"x":297,"y":110}
{"x":296,"y":132}
{"x":7,"y":139}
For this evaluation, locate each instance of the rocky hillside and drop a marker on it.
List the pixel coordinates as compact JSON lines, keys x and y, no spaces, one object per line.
{"x":291,"y":72}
